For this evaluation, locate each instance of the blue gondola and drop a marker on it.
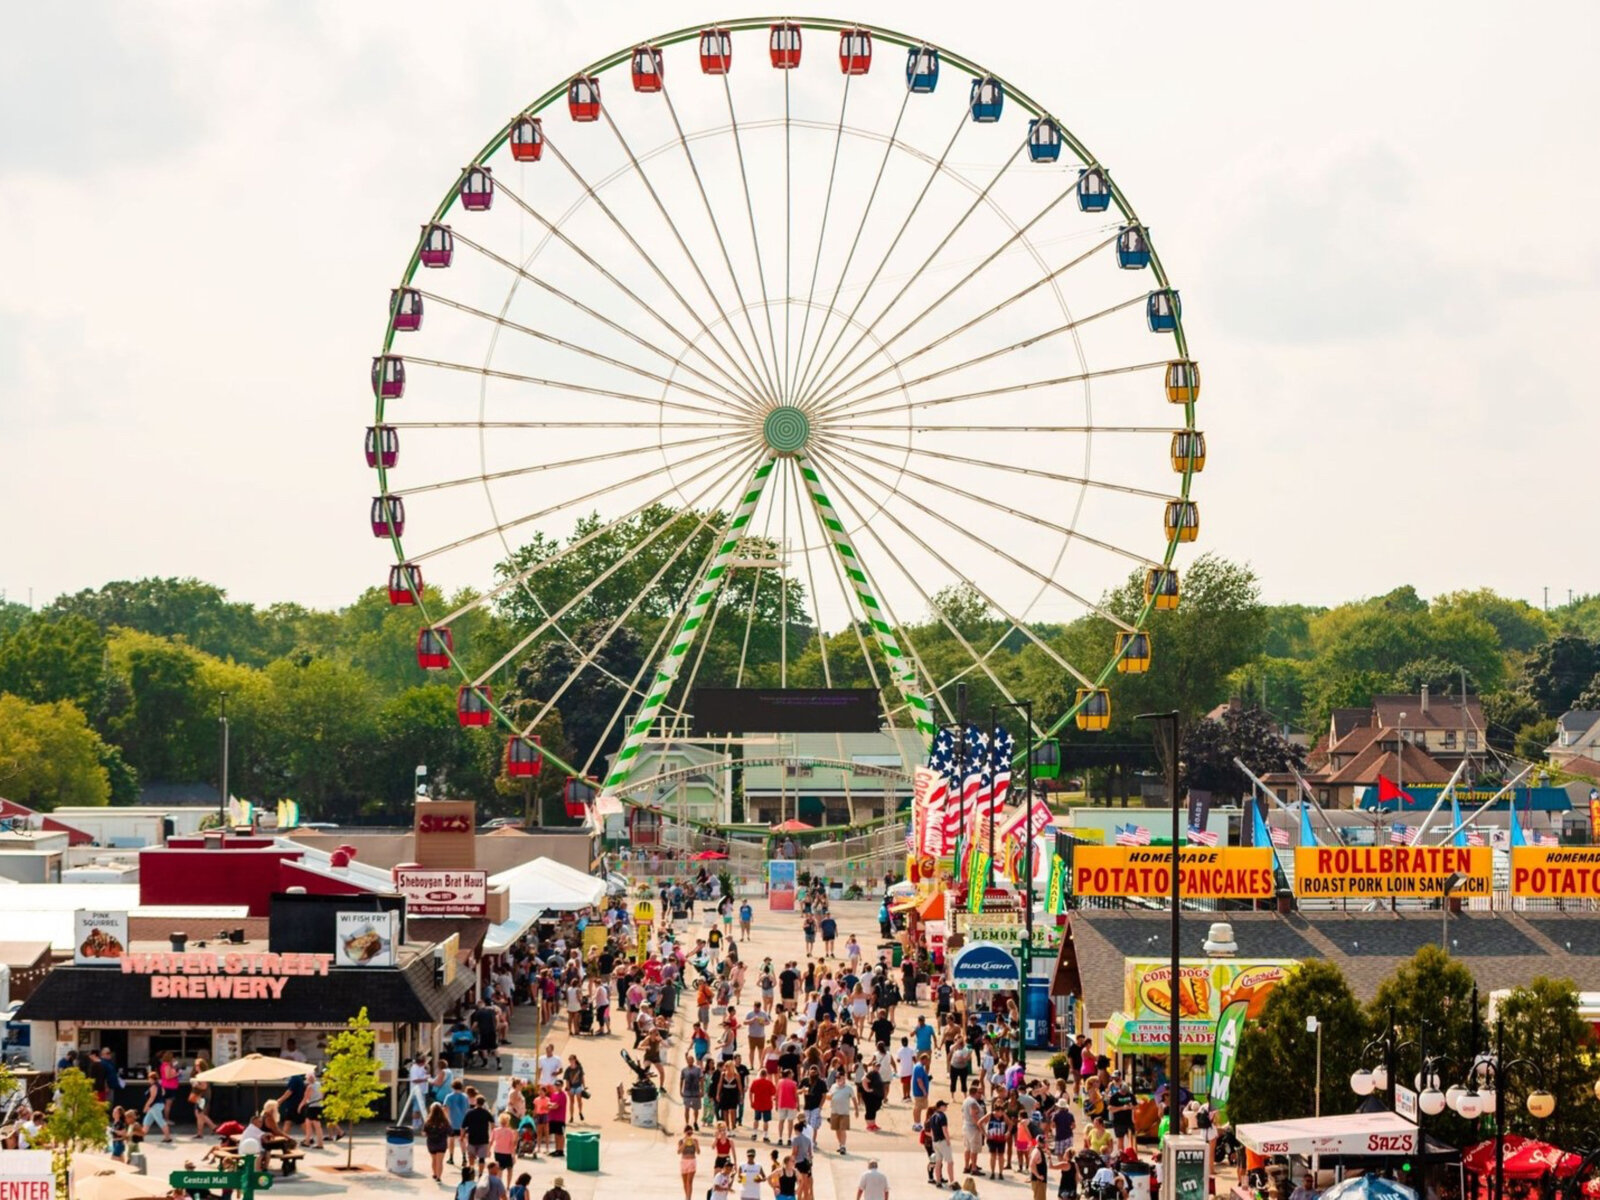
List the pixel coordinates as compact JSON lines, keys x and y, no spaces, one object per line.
{"x":922,"y":68}
{"x":1162,"y":309}
{"x":1044,"y":140}
{"x":988,"y":98}
{"x":1133,"y":248}
{"x":1094,"y":190}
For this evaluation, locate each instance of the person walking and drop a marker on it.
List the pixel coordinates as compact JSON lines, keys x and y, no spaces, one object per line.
{"x":874,"y":1092}
{"x":200,"y":1099}
{"x":751,"y":1177}
{"x":944,"y":1158}
{"x":746,"y":915}
{"x":691,"y":1090}
{"x":436,"y":1133}
{"x":688,"y":1162}
{"x":873,"y":1184}
{"x":804,"y":1150}
{"x":972,"y":1112}
{"x":829,"y":928}
{"x":840,"y":1101}
{"x":155,"y":1110}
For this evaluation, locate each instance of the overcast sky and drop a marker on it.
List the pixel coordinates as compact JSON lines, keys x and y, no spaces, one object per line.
{"x":1382,"y":219}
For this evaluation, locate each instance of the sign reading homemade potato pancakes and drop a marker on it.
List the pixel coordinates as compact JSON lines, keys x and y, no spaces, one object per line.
{"x":1204,"y":873}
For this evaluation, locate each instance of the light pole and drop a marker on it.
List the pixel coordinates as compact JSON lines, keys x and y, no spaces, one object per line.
{"x":222,"y":775}
{"x":1025,"y":707}
{"x":1174,"y":1110}
{"x":1454,"y":880}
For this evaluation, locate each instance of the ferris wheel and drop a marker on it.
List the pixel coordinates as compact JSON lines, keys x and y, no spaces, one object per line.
{"x":841,"y":330}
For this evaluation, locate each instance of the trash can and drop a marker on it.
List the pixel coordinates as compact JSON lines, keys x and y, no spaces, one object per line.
{"x":643,"y":1098}
{"x":397,"y":1149}
{"x":1138,"y":1174}
{"x":583,"y":1151}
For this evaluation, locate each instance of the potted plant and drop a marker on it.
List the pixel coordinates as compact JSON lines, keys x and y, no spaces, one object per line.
{"x":1060,"y":1066}
{"x":804,"y":878}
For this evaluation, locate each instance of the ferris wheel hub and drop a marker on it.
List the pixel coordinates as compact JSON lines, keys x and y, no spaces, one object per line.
{"x":786,"y":429}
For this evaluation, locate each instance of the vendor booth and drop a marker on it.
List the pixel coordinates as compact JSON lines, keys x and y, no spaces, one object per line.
{"x":1375,"y":1134}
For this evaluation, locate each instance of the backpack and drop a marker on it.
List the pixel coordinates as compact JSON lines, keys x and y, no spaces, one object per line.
{"x":1202,"y":1118}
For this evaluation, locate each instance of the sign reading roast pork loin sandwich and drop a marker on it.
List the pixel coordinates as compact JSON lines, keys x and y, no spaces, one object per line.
{"x":1379,"y":872}
{"x":1559,"y":872}
{"x":431,"y":892}
{"x":1204,"y":873}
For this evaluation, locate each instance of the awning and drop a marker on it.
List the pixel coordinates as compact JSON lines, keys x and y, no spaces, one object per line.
{"x":550,"y":886}
{"x":503,"y":936}
{"x":1380,"y":1134}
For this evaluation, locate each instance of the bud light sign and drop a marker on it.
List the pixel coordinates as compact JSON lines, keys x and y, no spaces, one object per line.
{"x":984,"y":967}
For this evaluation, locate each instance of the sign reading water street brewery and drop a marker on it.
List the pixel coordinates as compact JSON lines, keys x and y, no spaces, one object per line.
{"x":1204,"y":873}
{"x":205,"y":975}
{"x":1558,"y":872}
{"x":1353,"y":872}
{"x":443,"y":893}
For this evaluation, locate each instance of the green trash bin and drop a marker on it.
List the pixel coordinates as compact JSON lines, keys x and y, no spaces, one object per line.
{"x":894,"y":950}
{"x":583,"y":1151}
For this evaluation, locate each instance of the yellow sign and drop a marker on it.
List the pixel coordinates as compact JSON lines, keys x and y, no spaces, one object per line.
{"x":644,"y":912}
{"x":1205,"y":986}
{"x":642,"y":950}
{"x":1208,"y":873}
{"x":1379,"y":872}
{"x":1561,"y":872}
{"x":594,"y":938}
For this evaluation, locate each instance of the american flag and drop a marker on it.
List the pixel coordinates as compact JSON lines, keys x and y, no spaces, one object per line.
{"x":977,"y":777}
{"x":1280,"y":838}
{"x":1474,"y":838}
{"x":944,"y":808}
{"x":1001,"y":751}
{"x":1200,"y":837}
{"x":1401,"y":835}
{"x":1546,"y":839}
{"x":1132,"y":835}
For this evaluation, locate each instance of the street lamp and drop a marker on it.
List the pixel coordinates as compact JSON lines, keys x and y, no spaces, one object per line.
{"x":1174,"y":1109}
{"x":1452,"y":881}
{"x":1025,"y":707}
{"x":1490,"y":1071}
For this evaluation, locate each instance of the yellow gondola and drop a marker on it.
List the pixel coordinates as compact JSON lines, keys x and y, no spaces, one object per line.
{"x":1094,"y":709}
{"x":1161,"y":585}
{"x":1188,"y":451}
{"x":1183,"y":381}
{"x":1182,"y":520}
{"x":1133,"y":653}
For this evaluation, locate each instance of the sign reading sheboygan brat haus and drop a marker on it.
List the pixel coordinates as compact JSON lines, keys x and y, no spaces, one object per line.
{"x":1355,"y":872}
{"x":234,"y":975}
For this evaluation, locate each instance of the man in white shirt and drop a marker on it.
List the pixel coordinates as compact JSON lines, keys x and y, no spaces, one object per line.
{"x":751,"y":1177}
{"x":905,"y":1059}
{"x":873,"y":1185}
{"x":549,"y":1065}
{"x":292,"y":1052}
{"x":419,"y":1080}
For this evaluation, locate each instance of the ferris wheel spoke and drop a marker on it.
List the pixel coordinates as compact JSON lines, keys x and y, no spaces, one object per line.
{"x":788,"y":230}
{"x":732,"y":473}
{"x":1006,"y":429}
{"x":562,"y":385}
{"x":750,"y":211}
{"x":705,"y":591}
{"x":972,"y":537}
{"x":989,"y":356}
{"x":591,"y":654}
{"x":1016,"y":623}
{"x":818,"y":390}
{"x":537,"y":468}
{"x":808,"y":386}
{"x":822,"y":231}
{"x":997,"y":465}
{"x":563,"y":344}
{"x":700,"y":425}
{"x":1017,"y":235}
{"x":749,"y":385}
{"x":755,"y":595}
{"x":847,"y":400}
{"x":761,"y":383}
{"x":501,"y":527}
{"x":907,"y":404}
{"x":520,"y":577}
{"x":855,"y":243}
{"x":981,"y":661}
{"x":990,"y":502}
{"x":734,"y":390}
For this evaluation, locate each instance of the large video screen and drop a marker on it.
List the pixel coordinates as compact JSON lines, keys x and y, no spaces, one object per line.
{"x":785,"y":710}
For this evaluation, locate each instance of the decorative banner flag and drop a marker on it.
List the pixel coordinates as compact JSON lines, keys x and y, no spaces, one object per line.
{"x":1225,"y":1056}
{"x":1390,"y":791}
{"x":1055,"y":893}
{"x":976,"y":777}
{"x":1401,"y":835}
{"x":1001,"y":752}
{"x":1132,"y":835}
{"x":1200,"y":837}
{"x":1307,"y":836}
{"x":1280,"y":838}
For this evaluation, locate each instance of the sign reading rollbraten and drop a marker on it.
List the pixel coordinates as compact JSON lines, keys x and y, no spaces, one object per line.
{"x":1560,"y":872}
{"x":1222,"y":873}
{"x":1354,"y":872}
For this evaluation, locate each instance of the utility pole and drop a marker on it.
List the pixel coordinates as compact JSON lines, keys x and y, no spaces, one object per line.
{"x":1174,"y":1109}
{"x":222,"y":776}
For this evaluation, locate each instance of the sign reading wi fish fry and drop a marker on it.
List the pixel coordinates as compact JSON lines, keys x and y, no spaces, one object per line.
{"x":1381,"y":872}
{"x":1221,"y":873}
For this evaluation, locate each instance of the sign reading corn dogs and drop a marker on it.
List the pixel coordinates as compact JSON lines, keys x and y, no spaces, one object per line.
{"x":1560,"y":872}
{"x":1379,"y":872}
{"x":1205,"y":986}
{"x":1204,"y":873}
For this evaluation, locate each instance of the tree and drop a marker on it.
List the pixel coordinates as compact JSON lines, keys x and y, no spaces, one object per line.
{"x":49,"y":756}
{"x":1532,"y":740}
{"x":1318,"y":989}
{"x":351,"y":1081}
{"x":1430,"y":1002}
{"x":1247,"y":733}
{"x":1519,"y":625}
{"x":77,"y":1119}
{"x":1558,"y":671}
{"x":589,"y":707}
{"x":1543,"y":1026}
{"x":1505,"y":713}
{"x":54,"y":659}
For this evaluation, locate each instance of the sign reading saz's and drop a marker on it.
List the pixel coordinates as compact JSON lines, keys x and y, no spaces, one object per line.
{"x":444,"y":837}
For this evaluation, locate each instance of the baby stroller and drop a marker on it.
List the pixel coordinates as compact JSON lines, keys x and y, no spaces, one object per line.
{"x":586,"y":1017}
{"x":527,"y":1138}
{"x":1087,"y":1162}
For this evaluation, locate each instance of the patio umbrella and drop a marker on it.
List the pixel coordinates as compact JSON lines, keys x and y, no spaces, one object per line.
{"x":117,"y":1185}
{"x":252,"y":1071}
{"x":1369,"y":1187}
{"x":706,"y":855}
{"x":1525,"y":1158}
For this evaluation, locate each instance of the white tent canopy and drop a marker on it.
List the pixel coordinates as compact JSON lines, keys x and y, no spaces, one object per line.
{"x":548,"y":886}
{"x":1377,"y":1133}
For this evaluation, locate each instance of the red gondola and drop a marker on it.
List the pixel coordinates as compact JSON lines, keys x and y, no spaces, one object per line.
{"x":785,"y":45}
{"x":524,"y":759}
{"x":434,"y":647}
{"x":438,"y":246}
{"x":716,"y":51}
{"x":383,"y":446}
{"x":583,"y":98}
{"x":473,"y":706}
{"x":405,"y":583}
{"x":855,"y":51}
{"x":646,"y":69}
{"x":388,"y":377}
{"x":388,"y":516}
{"x":405,"y":309}
{"x":477,"y":189}
{"x":527,"y":139}
{"x":578,"y":795}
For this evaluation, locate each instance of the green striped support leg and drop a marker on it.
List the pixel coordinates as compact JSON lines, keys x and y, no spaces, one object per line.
{"x":899,"y":664}
{"x":672,"y":662}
